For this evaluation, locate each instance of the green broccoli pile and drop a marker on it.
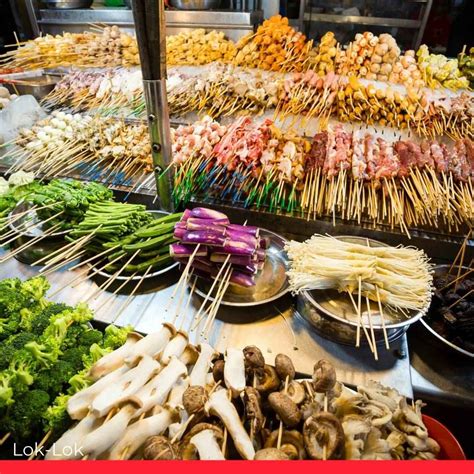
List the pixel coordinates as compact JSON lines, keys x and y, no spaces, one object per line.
{"x":47,"y":350}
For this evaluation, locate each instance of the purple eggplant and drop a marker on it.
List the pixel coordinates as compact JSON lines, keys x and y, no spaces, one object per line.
{"x":198,"y":220}
{"x":203,"y":267}
{"x":186,"y":215}
{"x":204,"y":213}
{"x":203,"y":237}
{"x":248,"y":229}
{"x":242,"y":237}
{"x":234,"y":259}
{"x":261,"y":254}
{"x":203,"y":225}
{"x":242,"y":279}
{"x":237,"y":248}
{"x":180,"y":251}
{"x":249,"y":269}
{"x":179,"y":232}
{"x":264,"y":243}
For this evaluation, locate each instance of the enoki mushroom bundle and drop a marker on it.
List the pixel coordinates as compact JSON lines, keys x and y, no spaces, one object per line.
{"x":399,"y":277}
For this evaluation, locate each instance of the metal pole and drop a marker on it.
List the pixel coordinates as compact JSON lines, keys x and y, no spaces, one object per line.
{"x":149,"y":16}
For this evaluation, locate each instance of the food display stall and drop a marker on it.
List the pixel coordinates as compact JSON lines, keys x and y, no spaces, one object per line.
{"x":309,"y":248}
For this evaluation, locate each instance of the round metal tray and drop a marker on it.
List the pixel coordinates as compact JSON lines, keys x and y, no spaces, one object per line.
{"x":333,"y":314}
{"x":270,"y":284}
{"x":123,"y":276}
{"x":440,"y":270}
{"x":42,"y":247}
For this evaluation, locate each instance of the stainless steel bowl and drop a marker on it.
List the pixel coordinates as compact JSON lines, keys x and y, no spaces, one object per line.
{"x":195,"y":4}
{"x":68,"y":4}
{"x":334,"y":317}
{"x":38,"y":87}
{"x":439,"y":271}
{"x":40,"y":248}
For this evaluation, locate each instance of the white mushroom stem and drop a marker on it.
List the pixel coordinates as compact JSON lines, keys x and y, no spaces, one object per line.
{"x":127,"y":385}
{"x":207,"y":446}
{"x":109,"y":433}
{"x":137,"y":433}
{"x":218,"y":404}
{"x":114,"y":359}
{"x":156,"y":391}
{"x":234,"y":371}
{"x":151,"y":345}
{"x":190,"y":355}
{"x":78,"y":405}
{"x":202,"y":365}
{"x":175,"y":399}
{"x":69,"y":445}
{"x":175,"y":347}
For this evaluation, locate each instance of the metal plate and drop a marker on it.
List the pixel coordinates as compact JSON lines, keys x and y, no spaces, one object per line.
{"x":339,"y":305}
{"x":440,"y":270}
{"x":270,"y":284}
{"x":161,"y":271}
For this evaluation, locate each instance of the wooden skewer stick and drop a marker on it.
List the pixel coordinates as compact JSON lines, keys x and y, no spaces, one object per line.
{"x":280,"y":428}
{"x":460,"y":299}
{"x":40,"y":445}
{"x":387,"y":346}
{"x":107,"y":301}
{"x":5,"y":438}
{"x":457,"y":279}
{"x":62,"y":264}
{"x":217,"y":304}
{"x":372,"y":333}
{"x":105,"y":252}
{"x":360,"y":323}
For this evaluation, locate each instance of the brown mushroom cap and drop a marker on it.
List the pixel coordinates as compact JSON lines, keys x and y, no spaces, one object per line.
{"x":270,"y":454}
{"x":188,"y":450}
{"x":218,"y":371}
{"x":296,"y":392}
{"x":292,"y":443}
{"x":159,"y":447}
{"x":284,"y":367}
{"x":324,"y":376}
{"x":285,"y":408}
{"x":254,"y":360}
{"x":269,"y":381}
{"x":323,"y":429}
{"x":194,"y":399}
{"x":253,"y":410}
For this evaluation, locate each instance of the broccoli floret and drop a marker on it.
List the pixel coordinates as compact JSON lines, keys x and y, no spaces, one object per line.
{"x":25,"y":416}
{"x":115,"y":336}
{"x":12,"y":344}
{"x":6,"y":388}
{"x":82,"y":313}
{"x":41,"y":321}
{"x":74,"y":356}
{"x":78,"y":382}
{"x":9,"y":324}
{"x":35,"y":288}
{"x":7,"y":353}
{"x":53,"y":380}
{"x":24,"y":367}
{"x":56,"y":418}
{"x":45,"y":354}
{"x":74,"y":334}
{"x":89,"y":337}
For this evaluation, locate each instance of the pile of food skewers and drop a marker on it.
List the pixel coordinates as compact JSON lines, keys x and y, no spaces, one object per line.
{"x":158,"y":397}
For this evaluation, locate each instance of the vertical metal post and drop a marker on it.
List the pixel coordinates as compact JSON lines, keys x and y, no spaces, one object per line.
{"x":149,"y":16}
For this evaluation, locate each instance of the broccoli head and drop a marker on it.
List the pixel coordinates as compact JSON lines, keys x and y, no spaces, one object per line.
{"x":35,"y":288}
{"x":6,"y":388}
{"x":74,"y":356}
{"x":56,"y":418}
{"x":53,"y":380}
{"x":79,"y":382}
{"x":9,"y":324}
{"x":45,"y":354}
{"x":89,"y":337}
{"x":40,"y":321}
{"x":24,"y":367}
{"x":25,"y":416}
{"x":74,"y":334}
{"x":11,"y":345}
{"x":115,"y":337}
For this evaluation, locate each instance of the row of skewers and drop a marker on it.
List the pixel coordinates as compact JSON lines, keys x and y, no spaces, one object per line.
{"x":159,"y":397}
{"x":354,"y":175}
{"x":275,"y":46}
{"x":222,"y":91}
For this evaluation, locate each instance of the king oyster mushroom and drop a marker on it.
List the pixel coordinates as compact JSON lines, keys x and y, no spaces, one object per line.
{"x":252,"y":406}
{"x":270,"y":454}
{"x":190,"y":355}
{"x":205,"y":440}
{"x":284,"y":367}
{"x":219,"y":405}
{"x":175,"y":347}
{"x":324,"y":376}
{"x":199,"y":373}
{"x":254,"y":362}
{"x":159,"y":448}
{"x":234,"y":371}
{"x":292,"y":443}
{"x":323,"y":430}
{"x":285,"y":408}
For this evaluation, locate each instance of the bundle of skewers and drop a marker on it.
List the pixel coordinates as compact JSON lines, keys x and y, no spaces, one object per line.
{"x":159,"y":397}
{"x":398,"y":278}
{"x":102,"y":47}
{"x":112,"y":151}
{"x":354,"y":175}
